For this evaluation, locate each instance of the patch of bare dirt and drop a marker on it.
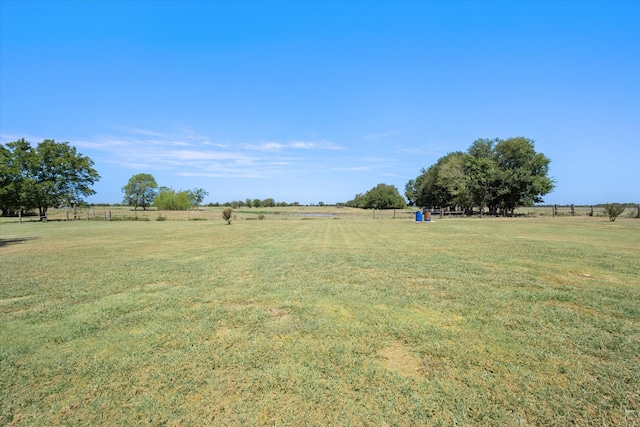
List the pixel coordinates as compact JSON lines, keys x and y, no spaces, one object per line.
{"x":400,"y":359}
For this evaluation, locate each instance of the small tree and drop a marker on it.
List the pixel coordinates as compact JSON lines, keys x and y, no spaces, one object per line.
{"x":613,"y":210}
{"x":140,"y":191}
{"x":268,"y":203}
{"x":226,"y":214}
{"x":196,"y":196}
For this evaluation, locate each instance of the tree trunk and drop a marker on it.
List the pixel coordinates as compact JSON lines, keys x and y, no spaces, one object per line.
{"x":43,"y":213}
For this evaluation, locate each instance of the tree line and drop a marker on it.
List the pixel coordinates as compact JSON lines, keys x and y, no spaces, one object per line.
{"x":143,"y":191}
{"x":497,"y":174}
{"x":494,"y":174}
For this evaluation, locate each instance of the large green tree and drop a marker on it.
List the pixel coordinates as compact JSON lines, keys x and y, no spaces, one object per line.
{"x":430,"y":188}
{"x":51,"y":174}
{"x":15,"y":166}
{"x":482,"y":174}
{"x":140,"y":191}
{"x":500,"y":174}
{"x":523,"y":174}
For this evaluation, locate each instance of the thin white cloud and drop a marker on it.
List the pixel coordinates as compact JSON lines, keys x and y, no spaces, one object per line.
{"x":225,"y":173}
{"x":186,"y":154}
{"x":135,"y":165}
{"x":312,"y":145}
{"x":265,"y":146}
{"x":138,"y":131}
{"x":425,"y":150}
{"x":189,"y":155}
{"x":380,"y":135}
{"x":301,"y":145}
{"x":214,"y":144}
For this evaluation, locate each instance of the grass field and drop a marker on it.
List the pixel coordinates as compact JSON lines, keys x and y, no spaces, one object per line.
{"x":341,"y":320}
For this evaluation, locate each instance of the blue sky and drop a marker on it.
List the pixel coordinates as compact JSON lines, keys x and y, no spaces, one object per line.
{"x":318,"y":101}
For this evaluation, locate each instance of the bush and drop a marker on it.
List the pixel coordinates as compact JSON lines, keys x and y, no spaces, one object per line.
{"x":226,"y":214}
{"x":170,"y":200}
{"x":613,"y":210}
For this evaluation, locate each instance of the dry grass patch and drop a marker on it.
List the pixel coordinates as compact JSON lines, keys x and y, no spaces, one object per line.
{"x":400,"y":359}
{"x":290,"y":322}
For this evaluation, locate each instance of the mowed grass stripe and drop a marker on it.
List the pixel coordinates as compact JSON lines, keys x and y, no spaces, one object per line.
{"x":320,"y":321}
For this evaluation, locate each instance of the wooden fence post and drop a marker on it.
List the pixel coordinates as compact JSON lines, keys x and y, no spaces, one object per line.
{"x":87,"y":214}
{"x":638,"y":211}
{"x":20,"y":215}
{"x":67,"y":214}
{"x":109,"y":215}
{"x":573,"y":212}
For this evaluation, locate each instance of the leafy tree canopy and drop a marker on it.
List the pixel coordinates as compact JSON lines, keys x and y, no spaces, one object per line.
{"x":51,"y":174}
{"x":140,"y":191}
{"x":197,"y":195}
{"x":170,"y":200}
{"x":497,"y":173}
{"x":382,"y":196}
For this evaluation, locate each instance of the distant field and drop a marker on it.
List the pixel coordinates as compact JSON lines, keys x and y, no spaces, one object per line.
{"x":119,"y":213}
{"x":316,"y":320}
{"x":115,"y":213}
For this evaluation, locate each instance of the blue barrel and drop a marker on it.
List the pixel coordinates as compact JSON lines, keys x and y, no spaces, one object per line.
{"x":418,"y":216}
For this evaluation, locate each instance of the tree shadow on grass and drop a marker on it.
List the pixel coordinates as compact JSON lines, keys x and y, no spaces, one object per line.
{"x":7,"y":242}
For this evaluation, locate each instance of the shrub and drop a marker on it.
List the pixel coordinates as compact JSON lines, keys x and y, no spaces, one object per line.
{"x":170,"y":200}
{"x":613,"y":210}
{"x":226,"y":214}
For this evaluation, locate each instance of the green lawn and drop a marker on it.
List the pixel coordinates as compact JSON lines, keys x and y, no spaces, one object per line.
{"x":314,"y":321}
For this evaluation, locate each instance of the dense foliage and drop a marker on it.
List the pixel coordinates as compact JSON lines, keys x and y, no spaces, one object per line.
{"x":140,"y":191}
{"x":499,"y":174}
{"x":382,"y":196}
{"x":50,"y":175}
{"x":169,"y":199}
